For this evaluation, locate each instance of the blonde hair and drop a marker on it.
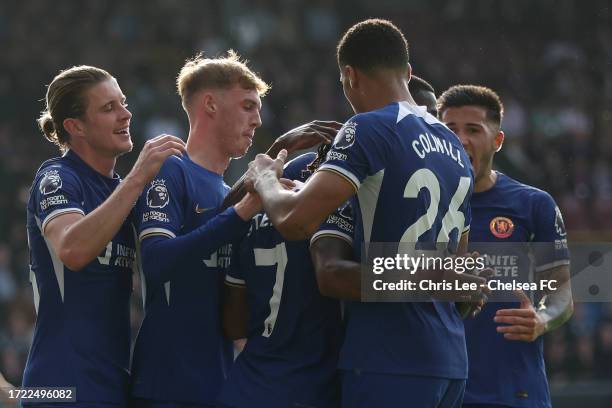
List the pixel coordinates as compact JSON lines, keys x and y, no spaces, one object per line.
{"x":216,"y":73}
{"x":66,"y":99}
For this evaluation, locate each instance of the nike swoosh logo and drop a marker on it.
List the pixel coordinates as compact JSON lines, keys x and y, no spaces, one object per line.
{"x":199,"y":210}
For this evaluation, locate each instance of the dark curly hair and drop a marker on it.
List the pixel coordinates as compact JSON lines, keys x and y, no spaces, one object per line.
{"x":373,"y":44}
{"x":473,"y":95}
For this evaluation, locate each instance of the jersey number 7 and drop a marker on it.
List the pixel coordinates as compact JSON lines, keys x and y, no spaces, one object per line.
{"x":270,"y":257}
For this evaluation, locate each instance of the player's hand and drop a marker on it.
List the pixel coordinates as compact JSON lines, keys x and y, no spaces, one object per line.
{"x":248,"y":206}
{"x":152,"y":157}
{"x":4,"y":396}
{"x":474,"y":306}
{"x":289,"y":184}
{"x":239,"y":345}
{"x":459,"y":279}
{"x":306,"y":136}
{"x":264,"y":166}
{"x":523,"y":324}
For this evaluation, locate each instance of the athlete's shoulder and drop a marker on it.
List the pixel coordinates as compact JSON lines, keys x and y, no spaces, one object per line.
{"x":527,"y":192}
{"x":173,"y":172}
{"x":417,"y":113}
{"x":386,"y":114}
{"x":174,"y":164}
{"x":56,"y":163}
{"x":367,"y":127}
{"x":51,"y":174}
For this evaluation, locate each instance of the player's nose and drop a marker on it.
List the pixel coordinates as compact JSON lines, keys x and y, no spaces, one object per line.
{"x":256,"y":120}
{"x":462,"y":138}
{"x":125,"y":114}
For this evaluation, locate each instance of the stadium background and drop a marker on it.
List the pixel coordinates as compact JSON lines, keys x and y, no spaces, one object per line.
{"x":550,"y":60}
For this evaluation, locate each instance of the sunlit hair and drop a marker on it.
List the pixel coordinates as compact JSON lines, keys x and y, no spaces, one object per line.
{"x":66,"y":99}
{"x":216,"y":73}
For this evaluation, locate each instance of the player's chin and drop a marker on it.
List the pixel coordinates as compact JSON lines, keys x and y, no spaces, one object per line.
{"x":475,"y":166}
{"x":242,"y":150}
{"x":125,"y":147}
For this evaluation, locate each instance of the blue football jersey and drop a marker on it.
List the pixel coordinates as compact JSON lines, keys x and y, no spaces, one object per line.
{"x":82,"y":333}
{"x":413,"y":182}
{"x":180,"y":354}
{"x":501,"y":371}
{"x":294,"y":333}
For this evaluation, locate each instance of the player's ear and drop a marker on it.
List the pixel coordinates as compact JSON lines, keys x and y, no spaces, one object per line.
{"x":499,"y":140}
{"x":352,"y":75}
{"x":74,"y":127}
{"x":209,"y":103}
{"x":408,"y":72}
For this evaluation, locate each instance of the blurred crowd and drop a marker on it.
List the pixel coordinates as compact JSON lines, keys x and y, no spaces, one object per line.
{"x":551,"y":62}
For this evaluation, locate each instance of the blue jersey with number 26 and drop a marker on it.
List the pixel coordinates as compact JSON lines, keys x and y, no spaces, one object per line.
{"x":413,"y":182}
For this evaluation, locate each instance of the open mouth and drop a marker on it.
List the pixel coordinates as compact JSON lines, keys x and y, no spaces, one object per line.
{"x":122,"y":131}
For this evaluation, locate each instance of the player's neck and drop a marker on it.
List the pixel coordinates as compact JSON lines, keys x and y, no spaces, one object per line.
{"x":486,"y":182}
{"x":206,"y":152}
{"x":384,"y":92}
{"x":101,"y":164}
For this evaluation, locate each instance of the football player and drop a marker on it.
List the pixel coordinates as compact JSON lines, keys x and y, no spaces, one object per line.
{"x":81,"y":241}
{"x":505,"y":345}
{"x":413,"y":183}
{"x":181,"y":357}
{"x":293,"y":332}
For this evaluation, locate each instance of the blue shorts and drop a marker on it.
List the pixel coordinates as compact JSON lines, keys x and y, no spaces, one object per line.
{"x":374,"y":390}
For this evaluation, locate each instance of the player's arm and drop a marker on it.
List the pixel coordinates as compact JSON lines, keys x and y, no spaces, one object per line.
{"x":5,"y":386}
{"x":527,"y":323}
{"x":297,"y":215}
{"x":557,"y":306}
{"x":235,"y":311}
{"x":338,"y":276}
{"x":78,"y":239}
{"x":161,"y":252}
{"x":462,"y":248}
{"x":471,"y":309}
{"x":302,"y":137}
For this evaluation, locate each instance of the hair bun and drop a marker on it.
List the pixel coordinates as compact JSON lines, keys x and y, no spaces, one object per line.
{"x":48,"y":127}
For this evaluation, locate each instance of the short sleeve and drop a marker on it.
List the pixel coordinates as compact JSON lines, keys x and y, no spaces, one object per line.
{"x":468,"y":219}
{"x":466,"y":209}
{"x":549,"y":235}
{"x":57,"y":191}
{"x":339,"y":224}
{"x":352,"y":155}
{"x":159,"y":210}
